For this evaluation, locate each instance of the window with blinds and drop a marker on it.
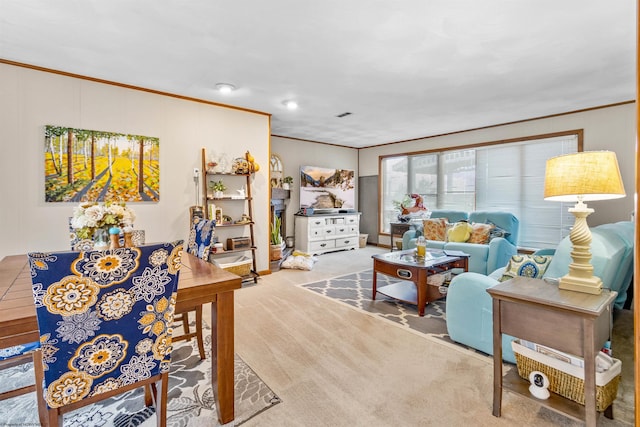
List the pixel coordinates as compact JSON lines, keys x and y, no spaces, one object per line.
{"x":506,"y":176}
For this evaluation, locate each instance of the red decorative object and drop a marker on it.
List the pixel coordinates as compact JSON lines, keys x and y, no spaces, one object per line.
{"x":418,"y":205}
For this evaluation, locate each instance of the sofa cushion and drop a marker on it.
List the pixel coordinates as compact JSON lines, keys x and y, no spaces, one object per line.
{"x":533,"y":266}
{"x":480,"y":233}
{"x":460,"y":232}
{"x":434,"y":229}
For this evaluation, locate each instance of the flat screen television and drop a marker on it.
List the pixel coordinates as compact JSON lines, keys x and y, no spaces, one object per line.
{"x":327,"y":190}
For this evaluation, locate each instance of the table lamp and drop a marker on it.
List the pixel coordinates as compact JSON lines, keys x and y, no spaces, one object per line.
{"x":580,"y":177}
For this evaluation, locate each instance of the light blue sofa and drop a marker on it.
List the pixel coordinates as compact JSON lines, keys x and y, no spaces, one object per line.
{"x":469,"y":306}
{"x":483,"y":258}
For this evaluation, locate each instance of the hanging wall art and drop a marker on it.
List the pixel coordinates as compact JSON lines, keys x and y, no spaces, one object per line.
{"x":95,"y":166}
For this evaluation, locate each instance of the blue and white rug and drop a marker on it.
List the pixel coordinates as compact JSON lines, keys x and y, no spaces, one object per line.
{"x":355,"y":290}
{"x":190,"y":396}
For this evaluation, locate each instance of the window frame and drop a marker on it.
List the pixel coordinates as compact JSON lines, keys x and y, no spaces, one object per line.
{"x":579,"y":133}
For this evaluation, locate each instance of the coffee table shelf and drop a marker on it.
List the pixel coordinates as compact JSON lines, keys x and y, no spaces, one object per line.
{"x":412,"y":287}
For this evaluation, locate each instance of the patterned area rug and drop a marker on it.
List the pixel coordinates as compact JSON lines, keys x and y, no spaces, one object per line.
{"x":190,"y":396}
{"x":355,"y":290}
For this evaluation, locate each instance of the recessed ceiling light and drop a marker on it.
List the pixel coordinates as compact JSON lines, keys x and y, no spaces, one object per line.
{"x":290,"y":104}
{"x":225,"y":87}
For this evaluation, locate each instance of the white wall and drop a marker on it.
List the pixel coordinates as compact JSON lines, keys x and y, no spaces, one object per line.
{"x":295,"y":153}
{"x":611,"y":128}
{"x":31,"y":99}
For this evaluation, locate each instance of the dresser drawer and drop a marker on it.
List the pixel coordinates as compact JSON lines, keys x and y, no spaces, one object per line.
{"x":329,"y":231}
{"x":317,"y":222}
{"x":316,"y":233}
{"x":342,"y":242}
{"x":342,"y":229}
{"x":351,"y":220}
{"x":319,"y":246}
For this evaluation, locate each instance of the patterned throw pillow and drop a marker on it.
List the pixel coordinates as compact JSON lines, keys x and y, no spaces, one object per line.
{"x":435,"y":229}
{"x":532,"y":266}
{"x":480,"y":233}
{"x":497,"y":232}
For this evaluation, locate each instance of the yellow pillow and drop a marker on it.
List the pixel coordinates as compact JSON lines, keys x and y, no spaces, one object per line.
{"x":434,"y":229}
{"x":480,"y":233}
{"x":460,"y":232}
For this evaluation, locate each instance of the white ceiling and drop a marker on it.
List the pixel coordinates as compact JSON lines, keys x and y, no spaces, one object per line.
{"x":404,"y":69}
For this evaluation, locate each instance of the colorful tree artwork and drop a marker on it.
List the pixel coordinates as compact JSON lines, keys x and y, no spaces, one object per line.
{"x":94,"y":166}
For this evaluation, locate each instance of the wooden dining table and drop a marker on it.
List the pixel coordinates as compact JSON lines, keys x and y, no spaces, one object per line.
{"x":199,"y":283}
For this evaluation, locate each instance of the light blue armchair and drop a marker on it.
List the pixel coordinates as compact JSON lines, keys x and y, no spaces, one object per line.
{"x":469,"y":306}
{"x":484,"y":258}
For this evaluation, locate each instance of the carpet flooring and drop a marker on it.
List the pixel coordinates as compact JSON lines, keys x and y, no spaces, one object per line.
{"x":190,"y":396}
{"x":355,"y":290}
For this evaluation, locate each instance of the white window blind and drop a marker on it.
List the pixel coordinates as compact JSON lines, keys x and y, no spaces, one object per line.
{"x":458,"y":189}
{"x":510,"y":177}
{"x":395,"y":185}
{"x":502,"y":177}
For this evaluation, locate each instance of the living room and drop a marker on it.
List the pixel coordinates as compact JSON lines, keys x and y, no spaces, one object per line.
{"x":35,"y":96}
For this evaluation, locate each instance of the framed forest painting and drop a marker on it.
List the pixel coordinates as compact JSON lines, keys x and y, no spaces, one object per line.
{"x":95,"y":166}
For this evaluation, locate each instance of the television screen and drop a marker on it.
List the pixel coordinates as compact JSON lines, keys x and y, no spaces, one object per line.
{"x":325,"y":189}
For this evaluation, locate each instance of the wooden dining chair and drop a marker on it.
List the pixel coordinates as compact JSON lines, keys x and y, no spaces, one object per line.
{"x":201,"y":239}
{"x":105,"y":323}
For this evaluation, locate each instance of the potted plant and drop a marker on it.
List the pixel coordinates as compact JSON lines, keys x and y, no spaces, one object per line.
{"x":218,"y":188}
{"x":286,"y":182}
{"x":276,"y":240}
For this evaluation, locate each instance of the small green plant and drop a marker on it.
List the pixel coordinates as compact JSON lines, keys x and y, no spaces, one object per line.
{"x":287,"y":180}
{"x":217,"y":185}
{"x":276,"y":238}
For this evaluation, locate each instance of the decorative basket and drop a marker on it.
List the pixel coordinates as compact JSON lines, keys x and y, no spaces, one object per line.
{"x":566,"y":379}
{"x":237,"y":265}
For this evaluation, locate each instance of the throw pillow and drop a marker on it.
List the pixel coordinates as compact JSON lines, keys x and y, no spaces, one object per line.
{"x":434,"y":229}
{"x":497,"y":232}
{"x":480,"y":233}
{"x":532,"y":266}
{"x":460,"y":232}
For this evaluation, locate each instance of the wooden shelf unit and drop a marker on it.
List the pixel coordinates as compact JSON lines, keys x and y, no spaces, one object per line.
{"x":208,"y":199}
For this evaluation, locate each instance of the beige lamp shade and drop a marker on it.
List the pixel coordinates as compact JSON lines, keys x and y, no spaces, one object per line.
{"x":588,"y":175}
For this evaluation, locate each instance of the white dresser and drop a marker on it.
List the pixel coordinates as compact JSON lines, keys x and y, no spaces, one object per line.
{"x":322,"y":233}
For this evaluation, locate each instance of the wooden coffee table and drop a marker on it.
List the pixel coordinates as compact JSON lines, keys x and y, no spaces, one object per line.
{"x":413,"y":287}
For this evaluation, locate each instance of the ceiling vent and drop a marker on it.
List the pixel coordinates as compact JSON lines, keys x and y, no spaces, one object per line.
{"x":343,"y":115}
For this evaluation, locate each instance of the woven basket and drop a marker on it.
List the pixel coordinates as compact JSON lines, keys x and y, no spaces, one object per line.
{"x":240,"y":266}
{"x":563,"y":383}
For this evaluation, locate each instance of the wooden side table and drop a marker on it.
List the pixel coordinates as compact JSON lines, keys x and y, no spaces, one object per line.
{"x":398,"y":229}
{"x":573,"y":322}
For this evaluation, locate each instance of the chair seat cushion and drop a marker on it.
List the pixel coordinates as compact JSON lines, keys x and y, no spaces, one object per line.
{"x":16,"y":350}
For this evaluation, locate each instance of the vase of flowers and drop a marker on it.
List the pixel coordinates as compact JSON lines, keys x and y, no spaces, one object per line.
{"x":93,"y":220}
